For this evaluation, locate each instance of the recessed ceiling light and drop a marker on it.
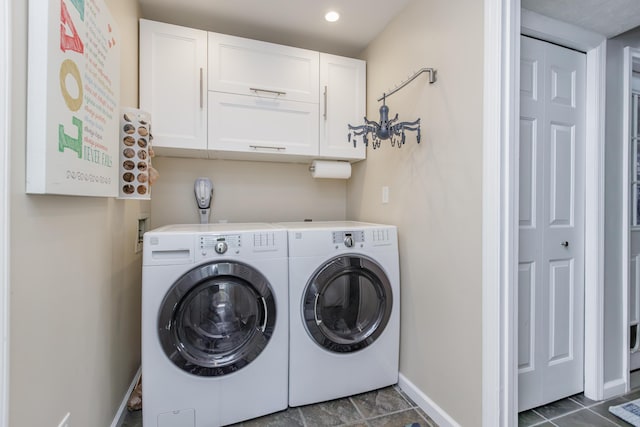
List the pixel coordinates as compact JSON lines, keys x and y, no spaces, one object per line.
{"x":332,"y":16}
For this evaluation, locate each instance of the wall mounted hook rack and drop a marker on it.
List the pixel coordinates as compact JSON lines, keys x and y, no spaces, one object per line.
{"x":389,"y":129}
{"x":432,"y":79}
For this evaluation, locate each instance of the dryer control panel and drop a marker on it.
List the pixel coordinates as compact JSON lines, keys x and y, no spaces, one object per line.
{"x":348,"y":238}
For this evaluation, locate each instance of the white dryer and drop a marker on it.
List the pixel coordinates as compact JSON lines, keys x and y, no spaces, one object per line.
{"x":344,"y":309}
{"x":214,"y":324}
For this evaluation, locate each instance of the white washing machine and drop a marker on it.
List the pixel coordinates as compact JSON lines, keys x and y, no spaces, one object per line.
{"x":214,"y":324}
{"x":344,"y":309}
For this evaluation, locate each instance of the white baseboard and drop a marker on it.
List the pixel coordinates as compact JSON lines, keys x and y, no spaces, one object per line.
{"x":614,"y":388}
{"x":427,"y":405}
{"x":120,"y":414}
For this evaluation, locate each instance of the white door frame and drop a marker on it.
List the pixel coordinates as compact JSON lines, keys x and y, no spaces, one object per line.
{"x":629,"y":55}
{"x":504,"y":23}
{"x":5,"y":87}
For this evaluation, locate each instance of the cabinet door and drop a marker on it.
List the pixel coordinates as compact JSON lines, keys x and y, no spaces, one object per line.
{"x":173,"y":87}
{"x":250,"y":67}
{"x":261,"y":128}
{"x":343,"y":85}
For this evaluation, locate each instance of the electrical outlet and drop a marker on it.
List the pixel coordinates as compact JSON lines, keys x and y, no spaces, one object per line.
{"x":66,"y":421}
{"x":143,"y":227}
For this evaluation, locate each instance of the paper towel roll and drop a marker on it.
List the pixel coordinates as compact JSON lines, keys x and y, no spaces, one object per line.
{"x":330,"y":169}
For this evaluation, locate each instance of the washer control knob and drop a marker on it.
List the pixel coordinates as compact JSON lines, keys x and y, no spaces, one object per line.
{"x":221,"y":247}
{"x":348,"y":241}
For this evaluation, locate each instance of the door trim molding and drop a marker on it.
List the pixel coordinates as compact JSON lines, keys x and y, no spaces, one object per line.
{"x":502,"y":23}
{"x":594,"y":385}
{"x":629,"y":55}
{"x":499,"y":212}
{"x":5,"y":120}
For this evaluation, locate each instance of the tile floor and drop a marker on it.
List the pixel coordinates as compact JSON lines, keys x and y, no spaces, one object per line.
{"x":387,"y":407}
{"x":579,"y":411}
{"x":390,"y":407}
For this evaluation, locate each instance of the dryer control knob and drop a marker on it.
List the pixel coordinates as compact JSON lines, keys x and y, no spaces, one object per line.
{"x":221,"y":247}
{"x":348,"y":241}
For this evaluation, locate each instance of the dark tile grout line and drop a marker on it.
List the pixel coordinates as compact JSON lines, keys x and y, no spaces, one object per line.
{"x":394,"y":413}
{"x":365,"y":420}
{"x":357,"y":408}
{"x":545,"y":420}
{"x":412,"y":406}
{"x":603,"y":417}
{"x":304,"y":420}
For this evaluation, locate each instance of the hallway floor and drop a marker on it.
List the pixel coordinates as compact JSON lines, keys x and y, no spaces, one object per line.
{"x":387,"y":407}
{"x":579,"y":411}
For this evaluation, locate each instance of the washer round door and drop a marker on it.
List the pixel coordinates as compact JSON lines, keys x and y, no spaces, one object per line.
{"x":217,"y":318}
{"x":347,"y":303}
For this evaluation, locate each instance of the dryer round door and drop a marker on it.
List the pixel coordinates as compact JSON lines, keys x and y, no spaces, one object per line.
{"x":347,"y":303}
{"x":217,"y":318}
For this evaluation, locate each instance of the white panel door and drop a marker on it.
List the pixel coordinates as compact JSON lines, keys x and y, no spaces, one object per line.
{"x":551,"y":264}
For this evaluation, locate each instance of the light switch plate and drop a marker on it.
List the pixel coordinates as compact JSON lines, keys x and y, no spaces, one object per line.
{"x":385,"y":194}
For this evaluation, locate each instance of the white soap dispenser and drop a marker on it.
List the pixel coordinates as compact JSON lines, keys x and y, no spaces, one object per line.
{"x":203,"y":189}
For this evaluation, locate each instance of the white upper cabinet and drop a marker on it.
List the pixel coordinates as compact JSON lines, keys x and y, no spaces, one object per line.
{"x":263,"y":100}
{"x":255,"y":128}
{"x":342,"y":102}
{"x":220,"y":96}
{"x":250,"y":67}
{"x":173,"y":87}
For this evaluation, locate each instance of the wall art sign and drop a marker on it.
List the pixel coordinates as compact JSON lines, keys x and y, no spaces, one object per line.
{"x":73,"y":99}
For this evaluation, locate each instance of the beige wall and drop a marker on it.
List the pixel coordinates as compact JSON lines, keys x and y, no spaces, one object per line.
{"x":75,"y":281}
{"x":75,"y":311}
{"x":245,"y":192}
{"x":435,"y":195}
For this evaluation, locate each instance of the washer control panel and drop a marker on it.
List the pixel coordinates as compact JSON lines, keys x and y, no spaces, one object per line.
{"x":220,"y":244}
{"x":221,"y":247}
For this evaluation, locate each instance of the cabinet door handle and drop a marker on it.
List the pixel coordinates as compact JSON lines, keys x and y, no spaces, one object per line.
{"x":275,"y":92}
{"x":325,"y":102}
{"x":201,"y":90}
{"x":267,"y":147}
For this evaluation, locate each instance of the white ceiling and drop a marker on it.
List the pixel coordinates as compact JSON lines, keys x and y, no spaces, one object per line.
{"x":301,"y":22}
{"x":607,"y":17}
{"x":292,"y":22}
